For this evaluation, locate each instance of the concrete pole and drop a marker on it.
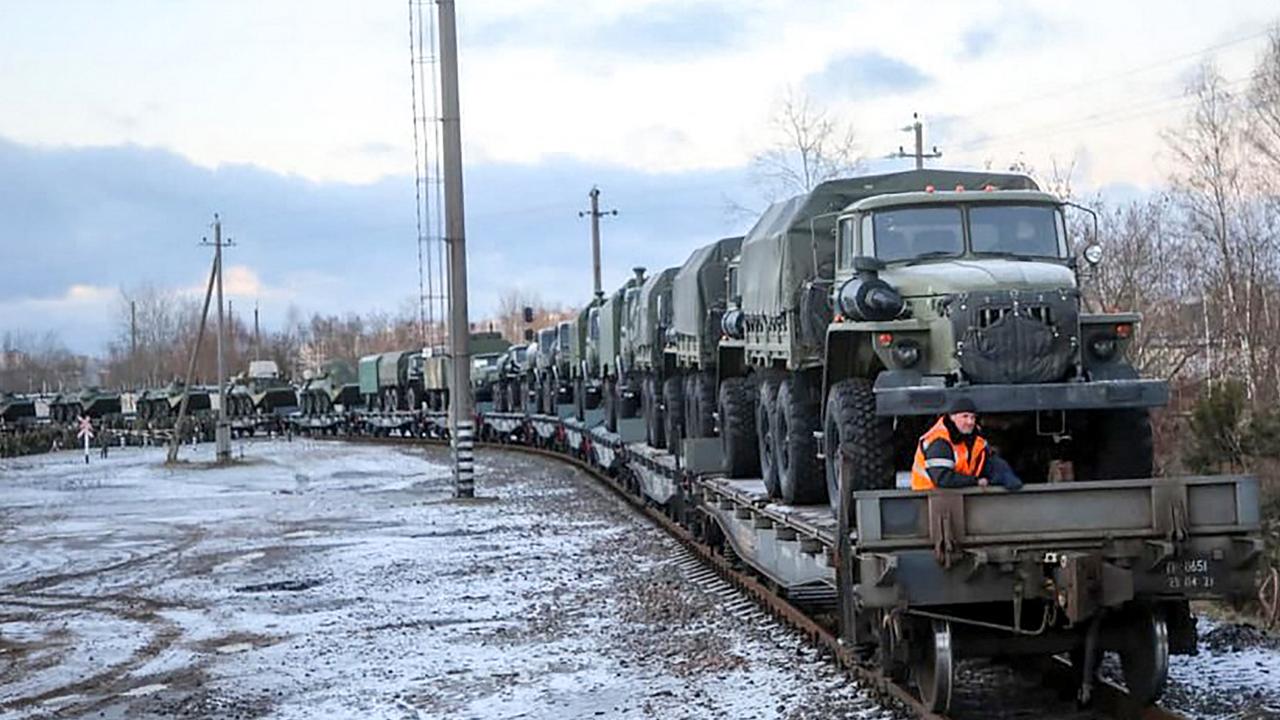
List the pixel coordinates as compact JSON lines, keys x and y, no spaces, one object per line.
{"x":596,"y":289}
{"x":919,"y":128}
{"x":222,"y":433}
{"x":462,"y":404}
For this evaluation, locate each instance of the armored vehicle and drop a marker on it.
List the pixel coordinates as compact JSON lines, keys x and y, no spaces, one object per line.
{"x":333,"y":387}
{"x":161,"y":405}
{"x":650,"y":318}
{"x":621,"y":396}
{"x":698,"y":303}
{"x":16,"y":409}
{"x":90,"y":402}
{"x":265,"y":392}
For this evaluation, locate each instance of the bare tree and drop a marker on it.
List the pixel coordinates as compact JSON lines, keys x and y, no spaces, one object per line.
{"x":809,"y":147}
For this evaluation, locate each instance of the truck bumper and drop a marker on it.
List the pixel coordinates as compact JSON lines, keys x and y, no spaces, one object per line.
{"x":906,"y":394}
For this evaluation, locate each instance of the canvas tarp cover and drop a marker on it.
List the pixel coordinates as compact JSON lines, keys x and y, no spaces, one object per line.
{"x":645,"y":318}
{"x":610,"y":327}
{"x":779,"y":252}
{"x":700,"y":284}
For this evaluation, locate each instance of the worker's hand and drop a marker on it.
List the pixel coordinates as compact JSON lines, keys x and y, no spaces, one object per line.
{"x":983,"y":482}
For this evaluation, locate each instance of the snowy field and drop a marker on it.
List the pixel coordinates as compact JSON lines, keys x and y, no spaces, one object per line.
{"x":321,"y":579}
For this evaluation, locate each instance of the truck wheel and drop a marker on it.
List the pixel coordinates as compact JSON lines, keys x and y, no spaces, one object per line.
{"x":766,"y":408}
{"x":651,"y":402}
{"x":704,"y":403}
{"x":852,"y":427}
{"x":689,"y":412}
{"x":626,"y":405}
{"x":411,"y":400}
{"x":673,"y":399}
{"x":795,"y":418}
{"x":579,"y":401}
{"x":1117,"y":446}
{"x":610,"y":406}
{"x":738,"y":429}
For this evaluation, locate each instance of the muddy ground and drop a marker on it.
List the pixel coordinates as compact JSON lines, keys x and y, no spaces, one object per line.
{"x":331,"y":580}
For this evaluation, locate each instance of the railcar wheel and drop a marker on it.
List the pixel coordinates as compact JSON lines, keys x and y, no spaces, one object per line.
{"x":673,"y":399}
{"x":766,"y":437}
{"x":738,"y":429}
{"x":800,"y":478}
{"x":932,"y":667}
{"x":1144,"y":656}
{"x":853,"y":427}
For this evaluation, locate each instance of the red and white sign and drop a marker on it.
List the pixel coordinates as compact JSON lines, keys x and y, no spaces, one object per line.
{"x":86,"y":428}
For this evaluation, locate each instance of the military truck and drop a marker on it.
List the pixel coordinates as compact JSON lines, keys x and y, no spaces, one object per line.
{"x":584,"y":358}
{"x":540,"y":371}
{"x":332,"y":388}
{"x":618,"y":389}
{"x":646,"y":336}
{"x":511,"y":374}
{"x":393,"y":381}
{"x":871,"y":305}
{"x":699,"y":300}
{"x":486,"y":349}
{"x":266,"y":392}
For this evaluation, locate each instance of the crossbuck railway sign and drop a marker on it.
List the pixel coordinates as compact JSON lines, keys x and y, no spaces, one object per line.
{"x":85,"y":433}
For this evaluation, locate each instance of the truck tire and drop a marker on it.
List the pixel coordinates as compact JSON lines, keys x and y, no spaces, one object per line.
{"x":866,"y":439}
{"x":1118,"y":446}
{"x":651,"y":404}
{"x":579,"y":406}
{"x":738,"y":429}
{"x":796,"y":417}
{"x":673,"y":400}
{"x":627,"y":406}
{"x":610,"y":406}
{"x":704,"y":406}
{"x":766,"y":407}
{"x":410,"y":400}
{"x":688,"y":394}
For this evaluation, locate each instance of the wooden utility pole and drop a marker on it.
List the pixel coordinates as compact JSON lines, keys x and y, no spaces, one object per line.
{"x":462,"y":404}
{"x":222,"y":432}
{"x":597,"y":290}
{"x":176,"y":439}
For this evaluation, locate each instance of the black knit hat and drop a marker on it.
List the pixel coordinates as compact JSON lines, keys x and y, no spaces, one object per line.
{"x":962,"y":404}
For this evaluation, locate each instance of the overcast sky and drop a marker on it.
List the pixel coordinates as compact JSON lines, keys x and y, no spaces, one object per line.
{"x":126,"y":125}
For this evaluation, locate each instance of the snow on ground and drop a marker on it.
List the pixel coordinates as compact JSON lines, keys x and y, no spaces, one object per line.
{"x":323,"y":579}
{"x":1234,"y":676}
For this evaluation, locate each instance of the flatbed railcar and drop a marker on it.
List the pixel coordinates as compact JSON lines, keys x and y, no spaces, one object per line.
{"x":917,"y":581}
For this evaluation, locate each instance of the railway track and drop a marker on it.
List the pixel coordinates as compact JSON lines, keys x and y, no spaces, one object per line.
{"x":718,"y":569}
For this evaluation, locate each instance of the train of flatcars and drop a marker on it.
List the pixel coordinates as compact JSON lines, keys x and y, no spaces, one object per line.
{"x":769,"y":394}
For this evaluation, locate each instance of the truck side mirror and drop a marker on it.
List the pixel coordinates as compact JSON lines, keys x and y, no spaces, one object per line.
{"x":528,"y":334}
{"x":528,"y":316}
{"x":867,"y":264}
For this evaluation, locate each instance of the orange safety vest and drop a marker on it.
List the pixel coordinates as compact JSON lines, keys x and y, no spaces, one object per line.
{"x":967,"y":462}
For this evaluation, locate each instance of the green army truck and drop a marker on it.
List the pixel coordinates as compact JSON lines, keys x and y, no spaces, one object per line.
{"x":392,"y":381}
{"x":486,"y":348}
{"x":584,"y":360}
{"x":699,"y":299}
{"x":646,"y":338}
{"x":871,"y":305}
{"x":621,"y":398}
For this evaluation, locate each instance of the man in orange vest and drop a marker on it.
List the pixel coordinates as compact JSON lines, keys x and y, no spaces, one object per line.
{"x":952,"y":454}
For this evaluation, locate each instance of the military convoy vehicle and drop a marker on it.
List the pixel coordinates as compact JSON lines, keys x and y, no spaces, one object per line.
{"x":650,"y":314}
{"x":540,"y":376}
{"x":584,"y":360}
{"x":871,"y":305}
{"x":511,"y":374}
{"x":393,"y":381}
{"x":334,"y":387}
{"x":698,"y":303}
{"x":17,"y":409}
{"x":618,"y":387}
{"x":90,"y":402}
{"x":261,"y":390}
{"x":161,"y":405}
{"x":486,"y":349}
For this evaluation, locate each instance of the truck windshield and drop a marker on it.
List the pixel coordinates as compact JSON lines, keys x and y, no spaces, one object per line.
{"x":1033,"y":230}
{"x":912,"y":233}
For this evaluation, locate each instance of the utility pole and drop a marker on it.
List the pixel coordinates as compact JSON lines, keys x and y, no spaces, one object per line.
{"x":461,"y":402}
{"x":595,"y":214}
{"x":918,"y":128}
{"x":222,"y":433}
{"x":133,"y":344}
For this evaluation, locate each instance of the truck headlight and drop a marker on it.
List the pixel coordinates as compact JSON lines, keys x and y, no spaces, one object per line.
{"x":906,"y":353}
{"x":870,"y":299}
{"x":1103,"y":347}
